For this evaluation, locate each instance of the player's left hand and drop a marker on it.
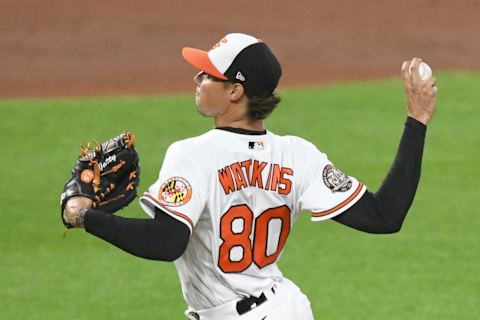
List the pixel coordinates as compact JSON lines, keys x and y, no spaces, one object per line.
{"x":72,"y":213}
{"x":105,"y":177}
{"x":421,"y":94}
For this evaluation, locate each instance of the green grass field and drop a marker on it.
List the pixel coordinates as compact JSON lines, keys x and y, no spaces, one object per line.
{"x":430,"y":270}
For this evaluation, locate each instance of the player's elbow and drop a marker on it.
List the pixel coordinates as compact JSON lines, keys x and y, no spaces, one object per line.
{"x":168,"y":254}
{"x":381,"y":229}
{"x":383,"y":226}
{"x":390,"y":227}
{"x":173,"y":249}
{"x":393,"y":228}
{"x":175,"y":252}
{"x":390,"y":219}
{"x":169,"y":258}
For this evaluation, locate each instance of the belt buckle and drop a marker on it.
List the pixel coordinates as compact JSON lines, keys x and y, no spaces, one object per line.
{"x":192,"y":315}
{"x":247,"y":304}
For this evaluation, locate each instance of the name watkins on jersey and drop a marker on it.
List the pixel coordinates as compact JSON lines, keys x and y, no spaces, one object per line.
{"x":249,"y":173}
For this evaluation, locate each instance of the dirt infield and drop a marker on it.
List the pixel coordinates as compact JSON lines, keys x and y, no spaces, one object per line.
{"x":77,"y":48}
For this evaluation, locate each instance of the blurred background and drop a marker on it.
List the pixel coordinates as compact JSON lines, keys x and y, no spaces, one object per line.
{"x":78,"y":48}
{"x":75,"y":71}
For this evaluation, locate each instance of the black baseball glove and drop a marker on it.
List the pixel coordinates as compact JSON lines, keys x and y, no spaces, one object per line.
{"x":108,"y":174}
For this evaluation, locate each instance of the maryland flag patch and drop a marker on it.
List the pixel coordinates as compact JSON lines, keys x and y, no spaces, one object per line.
{"x":175,"y":192}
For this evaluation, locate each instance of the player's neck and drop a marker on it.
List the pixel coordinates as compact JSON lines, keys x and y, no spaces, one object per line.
{"x":236,"y":116}
{"x":240,"y":123}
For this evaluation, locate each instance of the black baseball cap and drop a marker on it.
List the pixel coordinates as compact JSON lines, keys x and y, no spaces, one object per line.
{"x":241,"y":58}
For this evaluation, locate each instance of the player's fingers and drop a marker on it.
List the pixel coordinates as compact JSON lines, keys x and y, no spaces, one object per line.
{"x":405,"y":73}
{"x":430,"y":87}
{"x":414,"y":69}
{"x":432,"y":82}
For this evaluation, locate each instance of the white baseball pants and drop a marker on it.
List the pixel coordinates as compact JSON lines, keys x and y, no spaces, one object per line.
{"x":284,"y":302}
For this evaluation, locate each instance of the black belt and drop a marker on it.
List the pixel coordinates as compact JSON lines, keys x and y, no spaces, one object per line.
{"x":244,"y":305}
{"x":247,"y":304}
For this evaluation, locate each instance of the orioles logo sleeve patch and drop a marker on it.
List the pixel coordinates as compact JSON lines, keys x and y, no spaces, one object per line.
{"x":175,"y":192}
{"x":335,"y":179}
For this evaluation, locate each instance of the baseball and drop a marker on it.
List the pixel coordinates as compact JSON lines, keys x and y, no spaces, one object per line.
{"x":424,"y":71}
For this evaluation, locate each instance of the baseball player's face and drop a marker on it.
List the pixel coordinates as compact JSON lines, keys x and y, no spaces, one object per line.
{"x":211,"y":95}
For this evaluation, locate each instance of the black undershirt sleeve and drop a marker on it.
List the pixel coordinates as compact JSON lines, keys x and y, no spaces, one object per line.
{"x":385,"y":210}
{"x":163,"y":238}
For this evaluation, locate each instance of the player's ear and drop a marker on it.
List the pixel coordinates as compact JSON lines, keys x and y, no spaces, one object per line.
{"x":236,"y":92}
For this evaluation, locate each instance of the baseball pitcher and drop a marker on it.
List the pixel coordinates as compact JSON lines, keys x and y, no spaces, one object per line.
{"x":224,"y":202}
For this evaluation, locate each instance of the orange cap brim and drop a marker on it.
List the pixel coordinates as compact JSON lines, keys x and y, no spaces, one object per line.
{"x":200,"y":60}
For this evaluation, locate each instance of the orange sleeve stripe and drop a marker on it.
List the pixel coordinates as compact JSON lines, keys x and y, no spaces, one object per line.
{"x":181,"y":215}
{"x":341,"y":205}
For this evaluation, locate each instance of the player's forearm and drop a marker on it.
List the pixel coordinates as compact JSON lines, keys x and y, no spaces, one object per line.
{"x":396,"y":194}
{"x":385,"y":210}
{"x":162,"y":238}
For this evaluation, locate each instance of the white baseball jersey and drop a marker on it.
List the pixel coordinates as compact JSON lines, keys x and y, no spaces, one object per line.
{"x":239,"y":194}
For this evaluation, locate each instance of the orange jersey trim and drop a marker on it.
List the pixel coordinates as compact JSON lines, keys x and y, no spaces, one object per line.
{"x":178,"y":214}
{"x":341,"y":205}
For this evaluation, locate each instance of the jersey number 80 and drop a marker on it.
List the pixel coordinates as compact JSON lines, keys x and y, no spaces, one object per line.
{"x":256,"y":252}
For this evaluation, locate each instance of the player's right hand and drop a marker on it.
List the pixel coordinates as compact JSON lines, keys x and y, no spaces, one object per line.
{"x":421,"y":95}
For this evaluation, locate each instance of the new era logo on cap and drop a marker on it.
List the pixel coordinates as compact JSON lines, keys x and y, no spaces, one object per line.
{"x":240,"y":76}
{"x":240,"y":58}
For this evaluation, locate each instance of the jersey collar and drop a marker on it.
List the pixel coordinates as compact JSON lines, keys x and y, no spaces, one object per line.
{"x":243,"y":131}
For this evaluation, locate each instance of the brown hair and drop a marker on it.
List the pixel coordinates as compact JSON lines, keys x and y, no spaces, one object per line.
{"x":260,"y":108}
